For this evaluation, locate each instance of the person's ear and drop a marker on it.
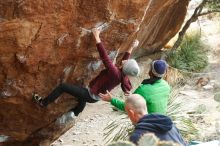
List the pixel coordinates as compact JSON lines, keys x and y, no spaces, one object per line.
{"x":131,"y":113}
{"x":150,"y":73}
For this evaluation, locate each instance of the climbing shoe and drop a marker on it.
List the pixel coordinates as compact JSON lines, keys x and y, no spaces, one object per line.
{"x":38,"y":99}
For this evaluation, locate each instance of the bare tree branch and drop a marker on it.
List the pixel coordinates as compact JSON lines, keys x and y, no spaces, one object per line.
{"x":209,"y":12}
{"x":193,"y":18}
{"x":197,"y":13}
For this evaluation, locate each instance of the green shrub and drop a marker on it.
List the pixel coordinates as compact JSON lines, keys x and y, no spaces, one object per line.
{"x":191,"y":55}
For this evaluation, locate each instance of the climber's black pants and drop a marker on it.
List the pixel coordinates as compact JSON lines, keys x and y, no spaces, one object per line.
{"x":82,"y":94}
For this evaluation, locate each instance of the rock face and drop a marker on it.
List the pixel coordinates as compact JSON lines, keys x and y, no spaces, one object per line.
{"x":46,"y":42}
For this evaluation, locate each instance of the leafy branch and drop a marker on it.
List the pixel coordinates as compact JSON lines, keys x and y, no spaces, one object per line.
{"x":213,"y":6}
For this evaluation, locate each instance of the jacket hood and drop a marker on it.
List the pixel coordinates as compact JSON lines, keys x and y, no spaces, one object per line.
{"x":155,"y":123}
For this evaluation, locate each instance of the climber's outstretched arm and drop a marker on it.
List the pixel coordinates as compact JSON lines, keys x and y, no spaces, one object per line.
{"x":133,"y":46}
{"x":128,"y":52}
{"x":103,"y":54}
{"x":96,"y":34}
{"x":114,"y":101}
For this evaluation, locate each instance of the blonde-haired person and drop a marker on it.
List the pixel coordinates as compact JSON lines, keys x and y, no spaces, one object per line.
{"x":160,"y":125}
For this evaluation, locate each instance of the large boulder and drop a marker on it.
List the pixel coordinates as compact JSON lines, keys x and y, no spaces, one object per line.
{"x":46,"y":42}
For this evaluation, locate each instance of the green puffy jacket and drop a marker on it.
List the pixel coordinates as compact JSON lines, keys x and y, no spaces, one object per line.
{"x":156,"y":96}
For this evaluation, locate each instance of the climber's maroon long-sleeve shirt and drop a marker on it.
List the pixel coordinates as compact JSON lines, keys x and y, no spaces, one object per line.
{"x":111,"y":76}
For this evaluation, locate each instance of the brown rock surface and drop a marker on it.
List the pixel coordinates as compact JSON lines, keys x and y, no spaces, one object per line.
{"x":45,"y":42}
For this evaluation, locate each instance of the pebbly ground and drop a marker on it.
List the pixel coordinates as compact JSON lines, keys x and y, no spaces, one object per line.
{"x":88,"y":130}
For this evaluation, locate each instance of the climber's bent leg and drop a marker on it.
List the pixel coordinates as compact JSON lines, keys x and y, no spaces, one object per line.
{"x":79,"y":108}
{"x":82,"y":99}
{"x":53,"y":95}
{"x":73,"y":90}
{"x":82,"y":95}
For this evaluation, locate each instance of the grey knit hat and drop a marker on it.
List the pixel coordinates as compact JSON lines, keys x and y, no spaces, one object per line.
{"x":130,"y":67}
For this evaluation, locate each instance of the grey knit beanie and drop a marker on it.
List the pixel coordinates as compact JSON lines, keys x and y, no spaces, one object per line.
{"x":130,"y":67}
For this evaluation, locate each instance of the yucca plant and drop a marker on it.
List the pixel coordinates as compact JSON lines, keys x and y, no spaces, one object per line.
{"x":191,"y":55}
{"x":121,"y":128}
{"x":177,"y":111}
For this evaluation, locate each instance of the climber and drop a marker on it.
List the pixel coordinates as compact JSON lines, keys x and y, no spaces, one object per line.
{"x":107,"y":79}
{"x":160,"y":125}
{"x":155,"y":90}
